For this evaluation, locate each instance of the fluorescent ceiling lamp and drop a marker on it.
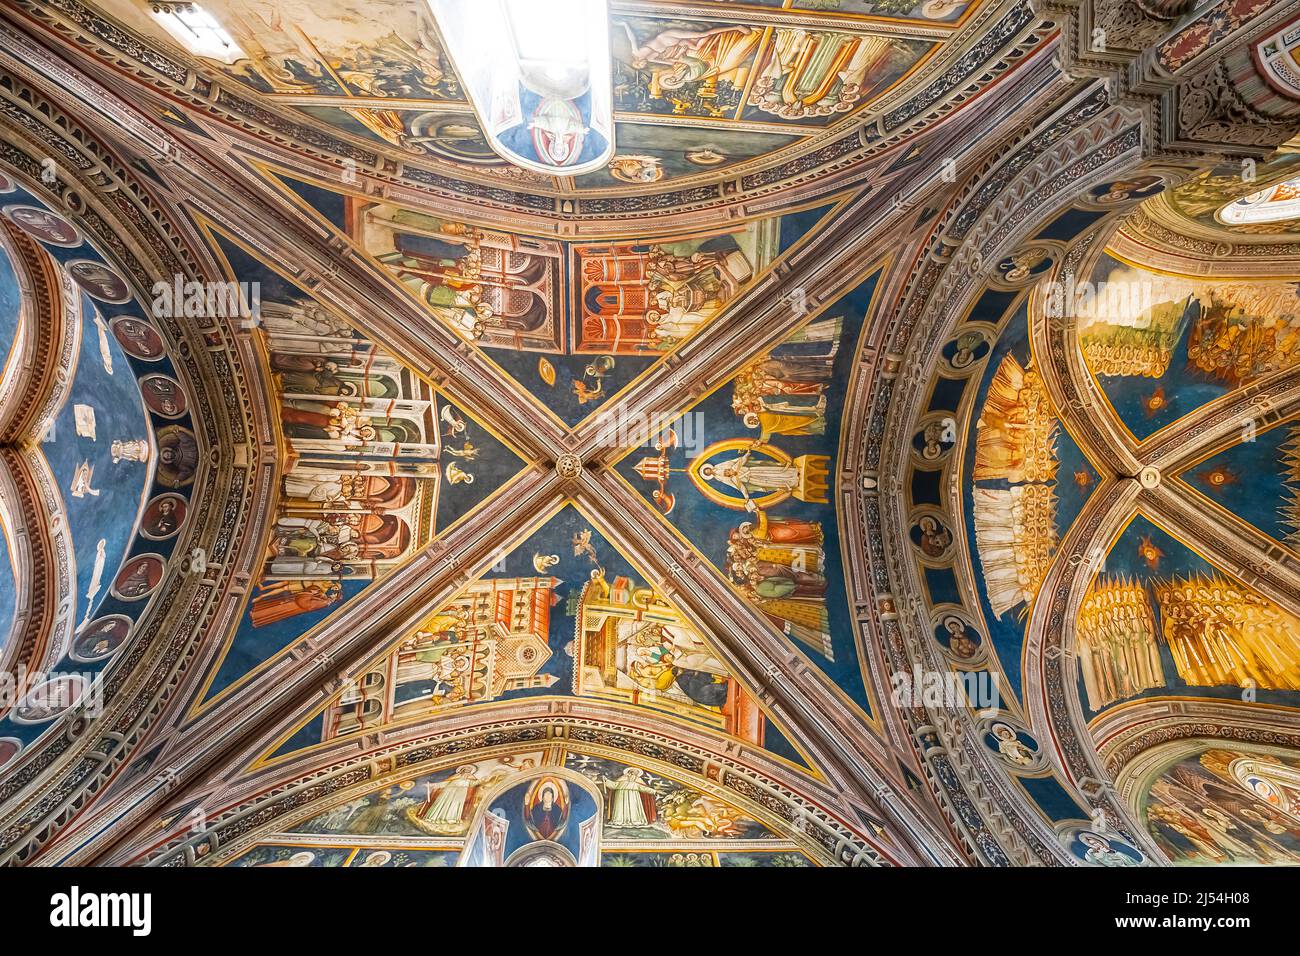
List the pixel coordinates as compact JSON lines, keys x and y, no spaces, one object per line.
{"x":196,"y":29}
{"x":538,"y":76}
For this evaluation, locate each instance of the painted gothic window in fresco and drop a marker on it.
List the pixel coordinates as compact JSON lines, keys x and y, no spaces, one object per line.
{"x":375,"y":462}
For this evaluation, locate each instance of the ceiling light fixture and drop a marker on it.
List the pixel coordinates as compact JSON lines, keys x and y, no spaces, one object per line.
{"x":538,"y":76}
{"x":196,"y":29}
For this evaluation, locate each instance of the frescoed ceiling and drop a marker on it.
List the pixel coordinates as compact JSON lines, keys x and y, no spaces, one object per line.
{"x":700,"y":90}
{"x":104,"y":441}
{"x":896,"y":438}
{"x":11,"y":331}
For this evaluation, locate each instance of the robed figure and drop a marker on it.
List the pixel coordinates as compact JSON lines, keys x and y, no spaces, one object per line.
{"x":447,"y":806}
{"x":631,"y":801}
{"x":546,"y":809}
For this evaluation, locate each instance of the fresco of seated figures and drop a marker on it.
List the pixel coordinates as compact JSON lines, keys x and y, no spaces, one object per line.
{"x":1162,"y":346}
{"x":1161,"y":619}
{"x":742,"y":71}
{"x":114,"y":456}
{"x":726,"y":89}
{"x":1226,"y":804}
{"x":574,"y":323}
{"x":746,"y":475}
{"x":552,"y":807}
{"x":563,"y":612}
{"x":375,"y":464}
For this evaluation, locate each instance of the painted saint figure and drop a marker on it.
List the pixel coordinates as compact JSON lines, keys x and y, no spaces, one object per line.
{"x":631,"y":801}
{"x":1101,"y":853}
{"x":704,"y":687}
{"x":775,"y":475}
{"x":546,"y":809}
{"x":283,"y":599}
{"x":677,"y":57}
{"x":448,"y":812}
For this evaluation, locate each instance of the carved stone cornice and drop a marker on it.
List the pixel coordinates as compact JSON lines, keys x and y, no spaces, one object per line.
{"x":1103,"y":36}
{"x":1198,"y":79}
{"x":1157,"y":239}
{"x":1211,"y":110}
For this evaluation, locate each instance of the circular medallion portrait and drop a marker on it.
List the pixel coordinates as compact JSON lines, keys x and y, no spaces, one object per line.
{"x":636,"y":169}
{"x":178,"y":456}
{"x":99,"y":281}
{"x":1012,"y":745}
{"x":10,"y":747}
{"x":140,"y":574}
{"x":101,"y":638}
{"x":1097,"y":849}
{"x":43,"y":225}
{"x":163,"y":517}
{"x":933,"y":442}
{"x":931,"y":536}
{"x":966,"y":349}
{"x":959,"y":637}
{"x":163,"y":395}
{"x":1025,"y":264}
{"x":138,"y":338}
{"x":46,"y":701}
{"x":1127,"y":190}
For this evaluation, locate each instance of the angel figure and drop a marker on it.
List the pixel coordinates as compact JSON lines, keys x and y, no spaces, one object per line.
{"x":582,"y":545}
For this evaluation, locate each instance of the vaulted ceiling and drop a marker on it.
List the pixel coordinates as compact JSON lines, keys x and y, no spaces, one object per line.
{"x":889,"y":458}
